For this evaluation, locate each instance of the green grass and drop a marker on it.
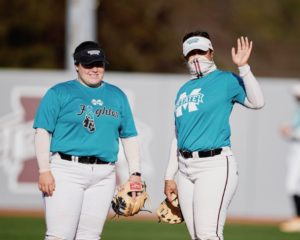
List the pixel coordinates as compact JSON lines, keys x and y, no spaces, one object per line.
{"x":257,"y":232}
{"x":21,"y":228}
{"x":24,"y":228}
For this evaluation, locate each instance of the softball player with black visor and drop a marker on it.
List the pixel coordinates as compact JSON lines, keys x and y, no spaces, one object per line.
{"x":78,"y":126}
{"x":201,"y":153}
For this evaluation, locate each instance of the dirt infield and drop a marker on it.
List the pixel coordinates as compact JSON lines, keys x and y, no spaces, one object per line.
{"x":21,"y":213}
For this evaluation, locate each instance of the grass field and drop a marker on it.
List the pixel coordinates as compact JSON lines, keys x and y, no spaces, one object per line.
{"x":25,"y":228}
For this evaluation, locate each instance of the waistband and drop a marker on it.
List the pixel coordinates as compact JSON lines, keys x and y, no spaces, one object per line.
{"x":200,"y":154}
{"x":83,"y":159}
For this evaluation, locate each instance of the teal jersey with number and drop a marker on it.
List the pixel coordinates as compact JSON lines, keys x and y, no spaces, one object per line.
{"x":86,"y":121}
{"x":202,"y":111}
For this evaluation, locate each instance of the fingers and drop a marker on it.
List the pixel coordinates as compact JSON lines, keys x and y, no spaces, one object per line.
{"x":168,"y":192}
{"x":175,"y":191}
{"x":46,"y":183}
{"x":240,"y":54}
{"x":134,"y":195}
{"x":169,"y":196}
{"x":243,"y":44}
{"x":47,"y":189}
{"x":250,"y":46}
{"x":233,"y":51}
{"x":50,"y":189}
{"x":247,"y":45}
{"x":170,"y":187}
{"x":239,"y":45}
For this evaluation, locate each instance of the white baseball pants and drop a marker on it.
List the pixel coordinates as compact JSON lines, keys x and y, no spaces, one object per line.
{"x":81,"y":200}
{"x":205,"y":189}
{"x":293,"y":169}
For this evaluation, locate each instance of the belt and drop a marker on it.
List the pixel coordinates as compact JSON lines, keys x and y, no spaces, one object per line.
{"x":84,"y":159}
{"x":201,"y":154}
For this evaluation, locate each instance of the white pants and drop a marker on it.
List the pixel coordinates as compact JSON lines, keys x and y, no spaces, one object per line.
{"x":205,"y":189}
{"x":293,"y":169}
{"x":81,"y":200}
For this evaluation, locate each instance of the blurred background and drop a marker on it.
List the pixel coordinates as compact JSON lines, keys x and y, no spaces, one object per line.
{"x":144,"y":36}
{"x":143,"y":43}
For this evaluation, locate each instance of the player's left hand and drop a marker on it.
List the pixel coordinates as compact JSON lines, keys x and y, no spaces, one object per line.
{"x":240,"y":56}
{"x":137,"y":179}
{"x":170,"y":212}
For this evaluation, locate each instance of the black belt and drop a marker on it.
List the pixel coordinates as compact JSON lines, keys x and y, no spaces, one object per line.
{"x":201,"y":154}
{"x":85,"y":159}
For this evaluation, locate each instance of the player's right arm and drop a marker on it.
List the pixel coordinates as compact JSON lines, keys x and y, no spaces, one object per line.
{"x":46,"y":180}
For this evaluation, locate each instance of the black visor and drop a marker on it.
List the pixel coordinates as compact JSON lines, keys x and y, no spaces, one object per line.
{"x":88,"y":56}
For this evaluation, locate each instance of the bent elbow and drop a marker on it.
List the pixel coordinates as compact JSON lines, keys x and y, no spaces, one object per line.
{"x":254,"y":105}
{"x":259,"y":105}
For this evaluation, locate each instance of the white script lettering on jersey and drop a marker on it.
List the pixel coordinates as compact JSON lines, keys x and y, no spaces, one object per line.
{"x":189,"y":102}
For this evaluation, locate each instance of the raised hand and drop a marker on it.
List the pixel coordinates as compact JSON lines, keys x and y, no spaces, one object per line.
{"x":240,"y":56}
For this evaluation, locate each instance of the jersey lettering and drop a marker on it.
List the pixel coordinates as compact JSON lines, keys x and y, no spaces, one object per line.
{"x":89,"y":122}
{"x":189,"y":102}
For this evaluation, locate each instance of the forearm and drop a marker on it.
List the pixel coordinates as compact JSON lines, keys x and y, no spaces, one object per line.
{"x":255,"y":98}
{"x":132,"y":154}
{"x":173,"y":162}
{"x":42,"y":149}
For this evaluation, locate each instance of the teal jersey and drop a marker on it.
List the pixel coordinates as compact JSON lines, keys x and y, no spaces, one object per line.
{"x":86,"y":121}
{"x":202,"y":111}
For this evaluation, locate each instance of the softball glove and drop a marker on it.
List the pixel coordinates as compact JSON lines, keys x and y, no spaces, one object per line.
{"x":170,"y":212}
{"x":123,"y":203}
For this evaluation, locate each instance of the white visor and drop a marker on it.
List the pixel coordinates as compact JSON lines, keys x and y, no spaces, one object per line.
{"x":196,"y":42}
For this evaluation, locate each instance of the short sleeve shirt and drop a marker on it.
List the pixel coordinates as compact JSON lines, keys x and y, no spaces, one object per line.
{"x":86,"y":121}
{"x":202,"y":110}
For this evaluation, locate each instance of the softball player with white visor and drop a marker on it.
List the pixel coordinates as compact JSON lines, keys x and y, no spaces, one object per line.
{"x":201,"y":153}
{"x":291,"y":133}
{"x":78,"y":126}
